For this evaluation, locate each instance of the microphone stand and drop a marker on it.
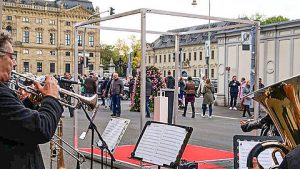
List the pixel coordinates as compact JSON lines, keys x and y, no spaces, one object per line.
{"x":104,"y":146}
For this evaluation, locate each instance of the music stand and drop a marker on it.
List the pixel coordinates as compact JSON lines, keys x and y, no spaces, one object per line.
{"x":162,"y":144}
{"x":239,"y":140}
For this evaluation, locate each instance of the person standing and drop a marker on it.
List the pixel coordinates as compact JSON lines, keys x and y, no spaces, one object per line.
{"x":149,"y":92}
{"x":234,"y":90}
{"x":243,"y":84}
{"x":208,"y":98}
{"x":200,"y":89}
{"x":260,"y":86}
{"x":247,"y":100}
{"x":90,"y":86}
{"x":190,"y":96}
{"x":131,"y":84}
{"x":21,"y":128}
{"x":102,"y":89}
{"x":116,"y":91}
{"x":181,"y":86}
{"x":170,"y":82}
{"x":67,"y":86}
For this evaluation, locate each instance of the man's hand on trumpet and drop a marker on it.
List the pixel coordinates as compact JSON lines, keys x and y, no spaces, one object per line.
{"x":50,"y":87}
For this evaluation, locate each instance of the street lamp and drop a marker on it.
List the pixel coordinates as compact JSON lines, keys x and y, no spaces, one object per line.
{"x":207,"y":44}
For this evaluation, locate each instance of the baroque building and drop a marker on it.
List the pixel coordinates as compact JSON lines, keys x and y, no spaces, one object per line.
{"x":161,"y":53}
{"x":43,"y":35}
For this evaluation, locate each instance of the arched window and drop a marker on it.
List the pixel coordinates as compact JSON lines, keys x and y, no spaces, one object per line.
{"x":9,"y":29}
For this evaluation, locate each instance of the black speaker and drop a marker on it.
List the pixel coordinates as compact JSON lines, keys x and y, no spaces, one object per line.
{"x":188,"y":165}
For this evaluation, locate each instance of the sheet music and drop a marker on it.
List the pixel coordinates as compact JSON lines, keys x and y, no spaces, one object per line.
{"x":265,"y":158}
{"x":113,"y":132}
{"x":160,"y":143}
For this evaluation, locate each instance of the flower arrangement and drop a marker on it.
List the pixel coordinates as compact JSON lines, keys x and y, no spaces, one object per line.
{"x":157,"y":83}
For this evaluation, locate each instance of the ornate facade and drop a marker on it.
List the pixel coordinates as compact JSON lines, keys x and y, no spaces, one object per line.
{"x":43,"y":34}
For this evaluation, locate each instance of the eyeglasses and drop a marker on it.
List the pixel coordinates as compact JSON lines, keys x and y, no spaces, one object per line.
{"x":12,"y":56}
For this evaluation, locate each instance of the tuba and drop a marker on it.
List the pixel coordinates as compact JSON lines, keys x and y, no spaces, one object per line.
{"x":281,"y":101}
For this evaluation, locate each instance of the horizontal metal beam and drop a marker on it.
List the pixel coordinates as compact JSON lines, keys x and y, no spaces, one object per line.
{"x":127,"y":30}
{"x":115,"y":16}
{"x":188,"y":15}
{"x":214,"y":29}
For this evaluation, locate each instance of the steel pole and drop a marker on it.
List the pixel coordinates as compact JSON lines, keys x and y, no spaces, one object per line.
{"x":143,"y":69}
{"x":209,"y":37}
{"x":175,"y":105}
{"x":76,"y":89}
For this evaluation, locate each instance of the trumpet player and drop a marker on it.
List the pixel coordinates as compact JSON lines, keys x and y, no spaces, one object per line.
{"x":23,"y":129}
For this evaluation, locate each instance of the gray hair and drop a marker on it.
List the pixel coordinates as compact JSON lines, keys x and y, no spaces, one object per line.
{"x":4,"y":38}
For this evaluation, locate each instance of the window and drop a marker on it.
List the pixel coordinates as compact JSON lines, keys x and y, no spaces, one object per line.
{"x":91,"y":67}
{"x":164,"y":73}
{"x":67,"y":68}
{"x":195,"y":72}
{"x":183,"y":56}
{"x":26,"y":37}
{"x":39,"y":52}
{"x":91,"y":41}
{"x":165,"y":58}
{"x":173,"y":57}
{"x":190,"y":56}
{"x":25,"y":19}
{"x":174,"y":73}
{"x":159,"y":58}
{"x":156,"y":59}
{"x":52,"y":38}
{"x":52,"y":52}
{"x":39,"y":67}
{"x":79,"y":40}
{"x":212,"y":54}
{"x":39,"y":37}
{"x":68,"y":53}
{"x":195,"y":55}
{"x":200,"y":55}
{"x":91,"y":54}
{"x":26,"y":66}
{"x":169,"y":57}
{"x":9,"y":29}
{"x":38,"y":21}
{"x":67,"y":39}
{"x":25,"y":51}
{"x":51,"y":22}
{"x":68,"y":23}
{"x":52,"y":67}
{"x":149,"y":59}
{"x":9,"y":18}
{"x":212,"y":73}
{"x":206,"y":72}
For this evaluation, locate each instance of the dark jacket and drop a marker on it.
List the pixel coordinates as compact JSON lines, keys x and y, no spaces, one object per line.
{"x":181,"y":84}
{"x":107,"y":88}
{"x":234,"y":86}
{"x":170,"y":81}
{"x":103,"y":86}
{"x":291,"y":160}
{"x":148,"y":88}
{"x":265,"y":124}
{"x":131,"y":83}
{"x":116,"y":87}
{"x":22,"y":129}
{"x":90,"y":86}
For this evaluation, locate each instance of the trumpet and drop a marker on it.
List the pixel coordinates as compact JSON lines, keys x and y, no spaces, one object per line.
{"x":91,"y":102}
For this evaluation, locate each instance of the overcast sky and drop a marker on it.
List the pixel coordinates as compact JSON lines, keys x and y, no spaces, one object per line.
{"x":221,"y":8}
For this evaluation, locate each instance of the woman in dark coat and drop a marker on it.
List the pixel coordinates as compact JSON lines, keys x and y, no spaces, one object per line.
{"x":208,"y":97}
{"x":190,"y":96}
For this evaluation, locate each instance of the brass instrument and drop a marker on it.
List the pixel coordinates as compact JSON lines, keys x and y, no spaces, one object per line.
{"x":281,"y":101}
{"x":57,"y":149}
{"x":91,"y":102}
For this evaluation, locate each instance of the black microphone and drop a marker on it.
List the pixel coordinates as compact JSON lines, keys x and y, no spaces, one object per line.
{"x":62,"y":80}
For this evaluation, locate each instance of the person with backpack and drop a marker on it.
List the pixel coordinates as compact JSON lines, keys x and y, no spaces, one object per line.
{"x":190,"y":96}
{"x":208,"y":98}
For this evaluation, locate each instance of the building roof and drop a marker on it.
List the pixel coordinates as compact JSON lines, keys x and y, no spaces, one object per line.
{"x":165,"y":41}
{"x":56,"y":4}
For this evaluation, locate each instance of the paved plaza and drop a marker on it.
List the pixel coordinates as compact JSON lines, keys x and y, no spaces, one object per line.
{"x":215,"y":133}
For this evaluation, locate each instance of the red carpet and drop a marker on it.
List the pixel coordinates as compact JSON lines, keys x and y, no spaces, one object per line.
{"x":191,"y":153}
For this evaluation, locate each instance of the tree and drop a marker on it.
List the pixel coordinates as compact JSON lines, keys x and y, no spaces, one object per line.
{"x":136,"y":52}
{"x":123,"y":49}
{"x":108,"y":52}
{"x":263,"y":20}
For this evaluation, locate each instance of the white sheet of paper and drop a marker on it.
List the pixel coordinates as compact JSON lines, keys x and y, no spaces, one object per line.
{"x":160,"y":143}
{"x":265,"y":158}
{"x":113,"y":132}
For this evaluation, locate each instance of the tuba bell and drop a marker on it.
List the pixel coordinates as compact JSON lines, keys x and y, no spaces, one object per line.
{"x":281,"y":101}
